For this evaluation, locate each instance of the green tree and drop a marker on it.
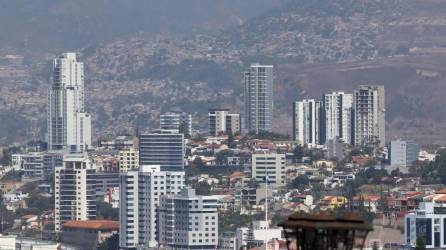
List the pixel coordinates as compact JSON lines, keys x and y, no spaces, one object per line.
{"x":184,"y":129}
{"x":301,"y":182}
{"x":106,"y":211}
{"x":198,"y":162}
{"x":298,"y":153}
{"x":420,"y":244}
{"x":375,"y":246}
{"x":202,"y":188}
{"x":111,"y":243}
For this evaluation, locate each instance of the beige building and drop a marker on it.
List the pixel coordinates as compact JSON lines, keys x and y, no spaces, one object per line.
{"x":271,"y":165}
{"x":222,"y":121}
{"x":92,"y":232}
{"x":128,"y":159}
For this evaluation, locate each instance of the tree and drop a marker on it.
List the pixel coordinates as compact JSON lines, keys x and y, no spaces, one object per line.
{"x":106,"y":211}
{"x":184,"y":129}
{"x":298,"y":153}
{"x":198,"y":162}
{"x":420,"y":244}
{"x":301,"y":182}
{"x":202,"y":188}
{"x":375,"y":246}
{"x":111,"y":243}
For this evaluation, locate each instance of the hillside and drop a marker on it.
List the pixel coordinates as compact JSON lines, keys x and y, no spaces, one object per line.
{"x":316,"y":46}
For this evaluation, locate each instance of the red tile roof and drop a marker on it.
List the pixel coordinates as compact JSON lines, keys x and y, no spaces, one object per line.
{"x":93,"y":224}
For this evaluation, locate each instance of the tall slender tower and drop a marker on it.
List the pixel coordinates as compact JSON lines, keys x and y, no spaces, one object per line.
{"x":307,"y":122}
{"x":259,"y":81}
{"x":338,"y":108}
{"x":370,"y":113}
{"x":68,"y":124}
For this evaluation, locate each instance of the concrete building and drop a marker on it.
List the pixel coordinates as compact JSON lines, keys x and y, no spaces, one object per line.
{"x":88,"y":234}
{"x":369,"y":116}
{"x":68,"y":124}
{"x":228,"y":241}
{"x":336,"y":149}
{"x":174,"y":120}
{"x":222,"y":121}
{"x":259,"y":98}
{"x":188,"y":221}
{"x":307,"y":122}
{"x":428,"y":222}
{"x":128,"y":159}
{"x":140,"y":193}
{"x":164,"y":148}
{"x":403,"y":153}
{"x":271,"y":165}
{"x":32,"y":165}
{"x":338,"y":112}
{"x":75,"y":195}
{"x":256,"y":233}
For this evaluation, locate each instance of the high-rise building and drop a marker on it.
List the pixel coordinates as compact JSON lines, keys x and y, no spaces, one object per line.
{"x":139,"y":198}
{"x":369,"y":105}
{"x":259,"y":99}
{"x":176,"y":121}
{"x":164,"y":148}
{"x":128,"y":159}
{"x":307,"y":122}
{"x":338,"y":111}
{"x":271,"y":165}
{"x":74,"y":190}
{"x":222,"y":121}
{"x":403,"y":153}
{"x":188,"y":221}
{"x":68,"y":124}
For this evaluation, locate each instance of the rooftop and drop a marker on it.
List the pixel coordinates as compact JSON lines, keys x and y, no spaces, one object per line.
{"x":93,"y":224}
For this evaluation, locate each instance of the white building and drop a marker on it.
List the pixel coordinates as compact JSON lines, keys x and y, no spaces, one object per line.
{"x":428,"y":222}
{"x":128,"y":159}
{"x":174,"y":120}
{"x":228,"y":241}
{"x":75,"y":193}
{"x":188,"y":221}
{"x":271,"y":165}
{"x":259,"y":99}
{"x":140,"y":193}
{"x":16,"y":161}
{"x":68,"y":124}
{"x":164,"y":148}
{"x":338,"y":110}
{"x":403,"y":153}
{"x":256,"y":233}
{"x":222,"y":121}
{"x":32,"y":165}
{"x":307,"y":122}
{"x":370,"y":110}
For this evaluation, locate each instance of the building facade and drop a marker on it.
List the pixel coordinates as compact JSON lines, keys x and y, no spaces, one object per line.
{"x":369,"y":116}
{"x":188,"y":221}
{"x":307,"y":122}
{"x":222,"y":121}
{"x":128,"y":159}
{"x":176,"y":121}
{"x":140,"y":192}
{"x":164,"y":148}
{"x":259,"y":98}
{"x":75,"y":194}
{"x":428,"y":222}
{"x":338,"y":112}
{"x":68,"y":124}
{"x":271,"y":165}
{"x":403,"y":153}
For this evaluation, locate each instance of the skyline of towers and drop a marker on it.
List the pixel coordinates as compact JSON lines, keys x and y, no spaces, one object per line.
{"x":357,"y":119}
{"x":68,"y":124}
{"x":259,"y":97}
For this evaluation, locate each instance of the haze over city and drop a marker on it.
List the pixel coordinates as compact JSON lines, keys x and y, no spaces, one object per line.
{"x":197,"y":124}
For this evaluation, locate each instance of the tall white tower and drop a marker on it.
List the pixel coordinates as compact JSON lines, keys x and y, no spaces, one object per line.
{"x":370,"y":127}
{"x":338,"y":108}
{"x":68,"y":124}
{"x":259,"y":80}
{"x":306,"y":122}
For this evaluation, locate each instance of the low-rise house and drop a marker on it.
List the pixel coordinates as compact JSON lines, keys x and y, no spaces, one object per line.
{"x":332,"y":202}
{"x":15,"y":196}
{"x":91,"y":232}
{"x":370,"y":202}
{"x":30,"y":221}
